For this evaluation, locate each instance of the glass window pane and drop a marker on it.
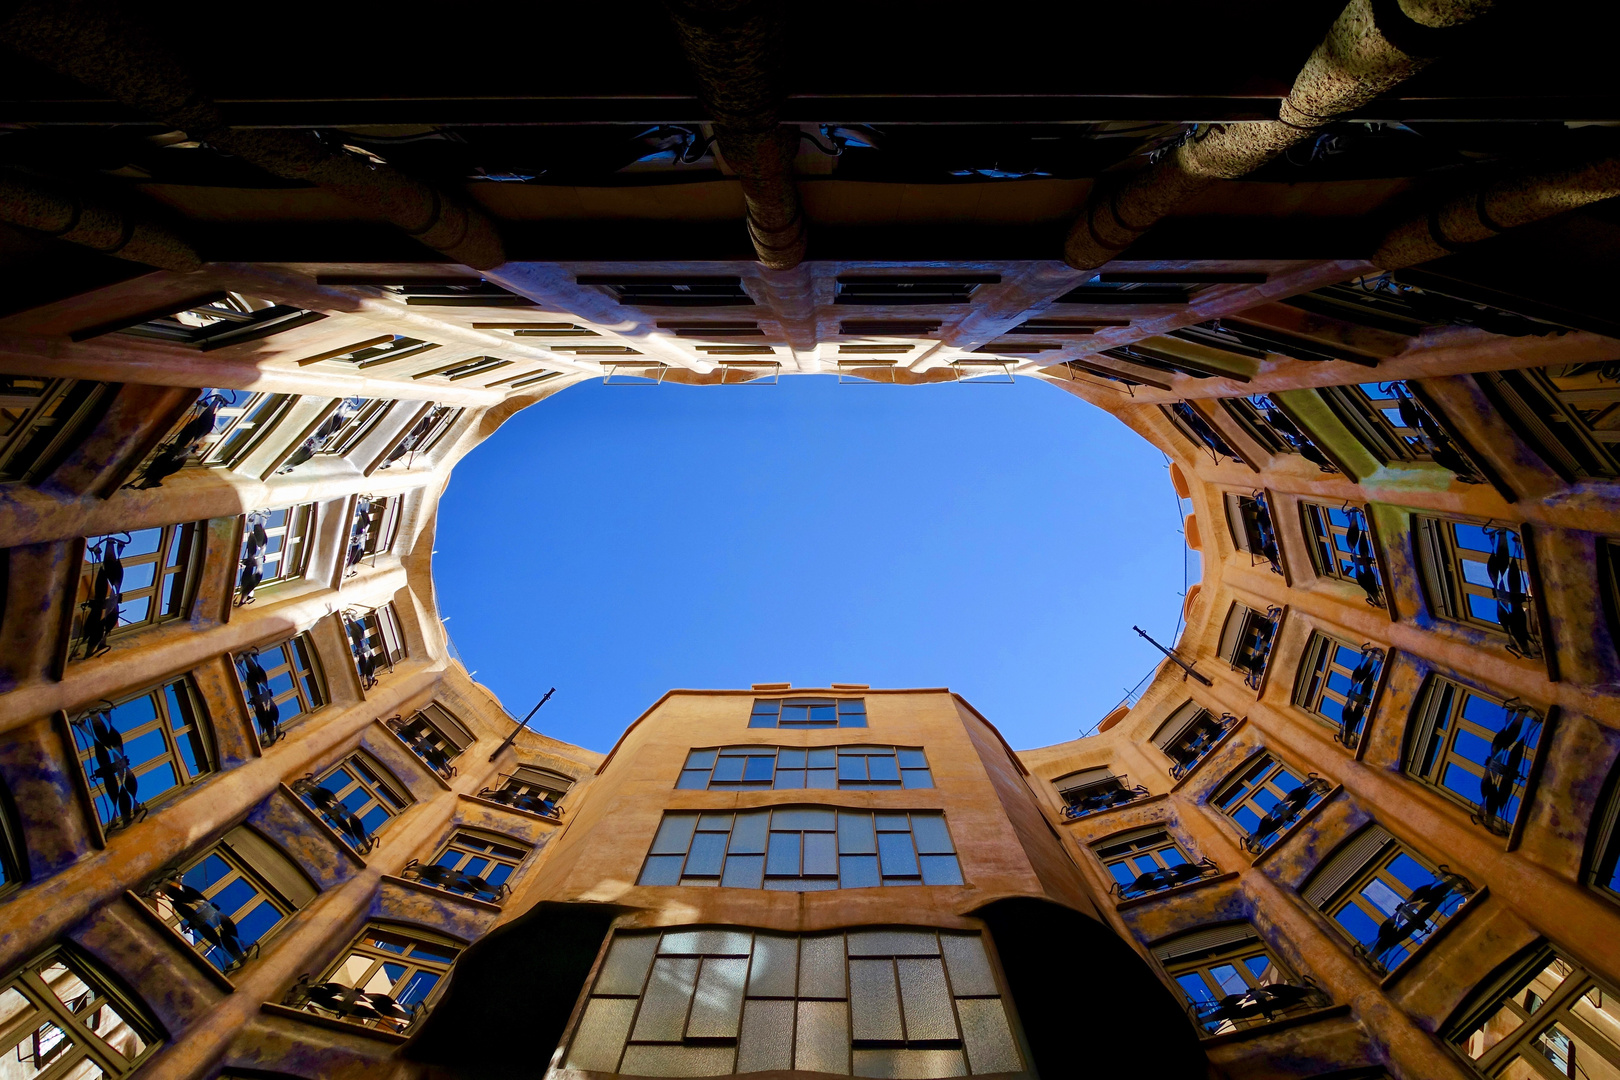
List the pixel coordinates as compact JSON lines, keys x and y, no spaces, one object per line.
{"x":661,"y":870}
{"x":874,"y":1000}
{"x":899,"y":860}
{"x":783,"y":857}
{"x":708,"y":849}
{"x":674,"y":834}
{"x":941,"y":870}
{"x":968,"y":964}
{"x":677,"y":1060}
{"x":701,"y":759}
{"x":917,"y":778}
{"x":789,"y":779}
{"x":858,"y":872}
{"x":669,"y":992}
{"x":767,"y":1037}
{"x":744,"y":872}
{"x":625,"y":968}
{"x":822,"y":1044}
{"x":820,"y":854}
{"x":931,"y":833}
{"x":913,"y":759}
{"x":717,"y":1003}
{"x":749,"y":832}
{"x":822,"y":779}
{"x":924,"y":999}
{"x":821,"y":966}
{"x":909,"y":1063}
{"x":775,"y":970}
{"x":807,"y":818}
{"x":855,"y":834}
{"x":883,"y":767}
{"x":988,"y":1037}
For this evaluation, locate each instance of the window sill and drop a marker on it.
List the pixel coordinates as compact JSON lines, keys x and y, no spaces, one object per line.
{"x":326,"y":830}
{"x":442,"y":894}
{"x":1297,"y":1020}
{"x":1213,"y":750}
{"x":530,"y":814}
{"x":214,"y":975}
{"x":333,"y":1024}
{"x":1308,"y":816}
{"x":1177,"y":890}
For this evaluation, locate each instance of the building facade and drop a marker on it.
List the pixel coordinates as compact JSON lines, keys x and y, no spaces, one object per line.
{"x":259,"y":822}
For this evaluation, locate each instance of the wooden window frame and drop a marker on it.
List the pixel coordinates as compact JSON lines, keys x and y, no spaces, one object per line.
{"x":1241,"y":790}
{"x":192,"y":725}
{"x":463,"y":842}
{"x":1443,"y":560}
{"x":298,"y":658}
{"x":1202,"y":967}
{"x":47,"y":424}
{"x":365,"y":773}
{"x":234,"y":317}
{"x":1431,"y":743}
{"x":1509,"y":994}
{"x":240,"y":867}
{"x":1321,"y":661}
{"x":1385,"y":437}
{"x":383,"y":527}
{"x":1550,"y":419}
{"x":296,"y":531}
{"x":1325,"y":535}
{"x":1150,"y":842}
{"x":184,"y":541}
{"x":414,"y":964}
{"x":532,"y":780}
{"x":241,"y":429}
{"x":76,"y":1022}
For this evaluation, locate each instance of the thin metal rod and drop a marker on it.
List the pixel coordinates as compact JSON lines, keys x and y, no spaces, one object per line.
{"x":1188,"y":668}
{"x":524,"y":723}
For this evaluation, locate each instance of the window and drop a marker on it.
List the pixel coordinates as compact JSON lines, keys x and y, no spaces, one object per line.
{"x":1188,"y":736}
{"x":348,"y":423}
{"x":281,"y":683}
{"x":1232,"y":981}
{"x":435,"y":736}
{"x":763,"y":768}
{"x":1170,"y":356}
{"x":64,"y":1019}
{"x":388,"y":978}
{"x":1090,"y":790}
{"x":128,"y":581}
{"x":141,"y":749}
{"x":356,"y":797}
{"x":275,"y":547}
{"x":1384,"y":898}
{"x":1341,"y":547}
{"x":1265,"y":422}
{"x":384,"y":349}
{"x":1473,"y":747}
{"x":40,"y":419}
{"x":894,"y":1001}
{"x":1174,"y":287}
{"x":1246,"y":641}
{"x":1566,"y":412}
{"x":1336,"y":682}
{"x":473,"y":863}
{"x":1544,"y":1016}
{"x":375,"y":642}
{"x":1195,"y":426}
{"x":1394,"y":425}
{"x":1265,"y":797}
{"x":1603,"y":853}
{"x":1248,"y":517}
{"x":13,"y":856}
{"x":421,"y":436}
{"x":644,"y":291}
{"x":1478,"y":575}
{"x":211,"y":322}
{"x":240,"y":422}
{"x":232,"y":897}
{"x":1258,"y":341}
{"x":889,"y":290}
{"x":808,"y":713}
{"x":802,"y":849}
{"x":1147,"y":860}
{"x":376,"y":522}
{"x":536,"y":790}
{"x":443,"y":292}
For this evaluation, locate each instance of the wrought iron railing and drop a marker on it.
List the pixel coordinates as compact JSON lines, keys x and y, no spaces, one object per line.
{"x":365,"y":661}
{"x":1260,"y":1004}
{"x":1252,"y":656}
{"x":1185,"y":758}
{"x":1507,"y":766}
{"x":1102,"y":795}
{"x":172,"y":456}
{"x":1415,"y":918}
{"x":345,"y":411}
{"x":1266,"y":532}
{"x":359,"y":533}
{"x":1363,"y":681}
{"x":255,"y":540}
{"x":348,"y":1003}
{"x":1511,"y":591}
{"x":1165,"y":877}
{"x":1291,"y":434}
{"x":522,"y":800}
{"x":417,"y":734}
{"x":1435,"y":441}
{"x":106,"y":595}
{"x":201,"y":918}
{"x":326,"y":803}
{"x":1286,"y":811}
{"x":262,"y":700}
{"x":1363,"y":563}
{"x":456,"y":881}
{"x":120,"y":787}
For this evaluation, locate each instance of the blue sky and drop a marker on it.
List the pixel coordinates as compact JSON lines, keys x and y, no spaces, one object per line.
{"x":999,"y":540}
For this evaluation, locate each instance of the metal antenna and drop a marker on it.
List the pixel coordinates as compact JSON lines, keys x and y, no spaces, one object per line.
{"x":1188,"y":668}
{"x":524,"y":723}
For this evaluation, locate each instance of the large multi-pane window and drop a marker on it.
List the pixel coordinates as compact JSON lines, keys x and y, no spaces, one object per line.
{"x":1478,"y":575}
{"x":1231,"y":980}
{"x":803,"y":849}
{"x":1142,"y":860}
{"x":1473,"y":747}
{"x":240,"y":424}
{"x":1384,"y":898}
{"x":158,"y":569}
{"x":1372,"y":412}
{"x":292,"y":672}
{"x":376,"y":522}
{"x":406,"y":966}
{"x":143,"y":748}
{"x":895,"y":1001}
{"x":61,"y":1019}
{"x":1544,"y":1016}
{"x":1196,"y":426}
{"x":242,"y":878}
{"x":1341,"y":546}
{"x":763,"y":768}
{"x":288,"y":532}
{"x":1336,"y":682}
{"x":529,"y":788}
{"x":1566,"y":411}
{"x":357,"y":797}
{"x":1265,"y":797}
{"x":1248,"y":517}
{"x":476,"y":863}
{"x":806,"y":712}
{"x":355,"y":419}
{"x":40,"y":419}
{"x":1265,"y":421}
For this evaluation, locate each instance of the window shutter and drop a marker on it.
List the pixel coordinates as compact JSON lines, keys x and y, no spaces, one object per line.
{"x":1083,"y":778}
{"x":1232,"y":633}
{"x":1202,"y":941}
{"x":1350,"y":859}
{"x":543,"y":778}
{"x":1424,"y":716}
{"x":1173,"y":728}
{"x":1234,"y":521}
{"x":1131,"y":836}
{"x":271,"y":865}
{"x":447,"y":725}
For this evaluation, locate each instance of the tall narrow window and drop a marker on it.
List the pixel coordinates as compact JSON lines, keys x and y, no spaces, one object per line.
{"x":803,"y":849}
{"x":1196,"y":427}
{"x":376,"y":521}
{"x":763,"y":768}
{"x":1249,"y":519}
{"x":375,"y":642}
{"x":388,"y":978}
{"x":1544,"y":1016}
{"x":41,"y":419}
{"x":1384,"y":898}
{"x":142,"y":749}
{"x":275,"y":548}
{"x":230,"y":898}
{"x":1603,"y":851}
{"x":473,"y":863}
{"x":808,"y":713}
{"x":1475,"y":748}
{"x":1265,"y":797}
{"x":281,"y":683}
{"x":1265,"y":422}
{"x":356,"y":797}
{"x":349,"y":422}
{"x":64,"y":1020}
{"x":435,"y":736}
{"x":1478,"y":575}
{"x":1147,"y":860}
{"x":240,"y":424}
{"x":889,"y":1001}
{"x":421,"y":436}
{"x":1341,"y":547}
{"x":1246,"y":641}
{"x":1189,"y":734}
{"x":1337,"y":681}
{"x":529,"y":788}
{"x":1232,"y":981}
{"x":128,"y":581}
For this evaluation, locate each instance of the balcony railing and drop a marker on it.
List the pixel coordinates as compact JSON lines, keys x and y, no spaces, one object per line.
{"x":1511,"y":591}
{"x":201,"y":918}
{"x":1363,"y":681}
{"x":1291,"y":435}
{"x":106,"y":595}
{"x":1436,"y":443}
{"x":1287,"y":811}
{"x":1253,"y":650}
{"x":1507,"y":766}
{"x":1165,"y":877}
{"x":522,"y":800}
{"x":256,"y":682}
{"x":119,"y":784}
{"x":455,"y":881}
{"x":1363,"y":563}
{"x":331,"y":808}
{"x":254,"y":542}
{"x":1207,"y":731}
{"x":1415,"y":919}
{"x":1103,"y":795}
{"x":359,"y":533}
{"x":1266,"y":532}
{"x":172,"y":456}
{"x":417,"y":734}
{"x":1260,"y":1004}
{"x":348,"y":1003}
